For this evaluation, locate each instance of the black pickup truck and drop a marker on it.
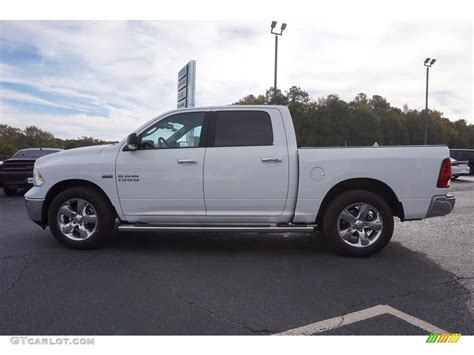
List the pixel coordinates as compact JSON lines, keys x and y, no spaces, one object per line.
{"x":17,"y":171}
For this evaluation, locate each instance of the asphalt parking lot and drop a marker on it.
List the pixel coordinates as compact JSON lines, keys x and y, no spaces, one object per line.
{"x":181,"y":283}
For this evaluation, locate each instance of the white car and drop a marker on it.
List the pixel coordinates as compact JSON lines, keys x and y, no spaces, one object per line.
{"x":237,"y":168}
{"x":459,"y":168}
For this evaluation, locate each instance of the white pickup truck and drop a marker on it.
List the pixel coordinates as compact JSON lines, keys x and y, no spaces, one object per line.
{"x":237,"y":168}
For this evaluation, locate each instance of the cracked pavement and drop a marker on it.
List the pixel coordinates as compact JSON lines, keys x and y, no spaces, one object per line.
{"x":227,"y":283}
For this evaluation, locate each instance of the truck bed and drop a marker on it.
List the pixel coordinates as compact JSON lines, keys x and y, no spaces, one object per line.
{"x":410,"y":171}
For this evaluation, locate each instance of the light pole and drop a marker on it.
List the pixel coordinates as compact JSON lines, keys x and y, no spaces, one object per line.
{"x":428,"y":63}
{"x":283,"y":27}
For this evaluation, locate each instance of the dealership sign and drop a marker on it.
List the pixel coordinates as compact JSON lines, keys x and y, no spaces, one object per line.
{"x":187,"y":85}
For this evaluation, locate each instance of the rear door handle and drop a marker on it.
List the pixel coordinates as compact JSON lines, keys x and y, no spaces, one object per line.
{"x":271,"y":160}
{"x":187,"y":161}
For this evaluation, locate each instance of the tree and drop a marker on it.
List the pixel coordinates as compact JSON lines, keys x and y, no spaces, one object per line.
{"x":6,"y":150}
{"x":82,"y":142}
{"x":330,"y":121}
{"x":13,"y":139}
{"x":35,"y":137}
{"x":252,"y":100}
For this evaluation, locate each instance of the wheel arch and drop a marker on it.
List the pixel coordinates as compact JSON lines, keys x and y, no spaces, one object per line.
{"x":367,"y":184}
{"x":66,"y":184}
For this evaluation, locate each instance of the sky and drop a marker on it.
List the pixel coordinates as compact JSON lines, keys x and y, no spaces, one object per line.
{"x":106,"y":78}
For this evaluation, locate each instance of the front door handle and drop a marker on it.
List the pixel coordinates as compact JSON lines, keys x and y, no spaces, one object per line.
{"x":187,"y":161}
{"x":271,"y":160}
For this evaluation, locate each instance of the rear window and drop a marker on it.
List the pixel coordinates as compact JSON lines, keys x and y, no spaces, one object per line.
{"x":33,"y":153}
{"x":243,"y":128}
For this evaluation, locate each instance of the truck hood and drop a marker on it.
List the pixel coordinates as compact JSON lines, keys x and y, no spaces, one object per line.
{"x":83,"y":151}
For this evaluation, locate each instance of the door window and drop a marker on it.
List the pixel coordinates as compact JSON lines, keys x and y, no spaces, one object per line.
{"x":243,"y":128}
{"x":182,"y":130}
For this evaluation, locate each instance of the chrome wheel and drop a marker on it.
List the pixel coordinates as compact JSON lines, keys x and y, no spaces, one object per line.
{"x":77,"y":219}
{"x":360,"y":225}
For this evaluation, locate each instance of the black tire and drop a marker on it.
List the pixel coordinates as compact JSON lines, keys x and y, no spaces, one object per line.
{"x":343,"y":201}
{"x":9,"y":191}
{"x":454,"y":177}
{"x":105,"y":217}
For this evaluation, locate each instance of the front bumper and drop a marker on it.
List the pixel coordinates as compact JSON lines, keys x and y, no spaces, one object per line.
{"x":34,"y":207}
{"x":15,"y":179}
{"x":441,"y":205}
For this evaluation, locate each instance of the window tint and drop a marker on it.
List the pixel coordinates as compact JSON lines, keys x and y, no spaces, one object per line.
{"x":182,"y":130}
{"x":238,"y":128}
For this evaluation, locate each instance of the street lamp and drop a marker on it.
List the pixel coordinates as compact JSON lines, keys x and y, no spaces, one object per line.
{"x":428,"y":63}
{"x":282,"y":28}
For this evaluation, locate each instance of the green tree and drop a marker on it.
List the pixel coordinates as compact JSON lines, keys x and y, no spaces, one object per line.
{"x":13,"y":139}
{"x":35,"y":137}
{"x":330,"y":121}
{"x":6,"y":150}
{"x":82,"y":142}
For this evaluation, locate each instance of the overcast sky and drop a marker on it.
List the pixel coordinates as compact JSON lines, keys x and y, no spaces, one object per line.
{"x":104,"y":79}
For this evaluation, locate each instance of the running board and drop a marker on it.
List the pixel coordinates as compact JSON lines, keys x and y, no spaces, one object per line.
{"x":234,"y":228}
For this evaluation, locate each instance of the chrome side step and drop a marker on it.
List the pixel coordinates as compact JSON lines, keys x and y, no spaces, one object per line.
{"x":221,"y":228}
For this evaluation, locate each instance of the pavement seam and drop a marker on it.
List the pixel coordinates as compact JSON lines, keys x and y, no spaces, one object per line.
{"x":193,"y":304}
{"x":18,"y":276}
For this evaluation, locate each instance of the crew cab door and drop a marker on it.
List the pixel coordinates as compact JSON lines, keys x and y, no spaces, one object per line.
{"x":246,"y":164}
{"x":164,"y":177}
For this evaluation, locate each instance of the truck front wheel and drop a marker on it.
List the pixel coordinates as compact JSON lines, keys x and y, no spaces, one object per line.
{"x":358,"y":223}
{"x":81,"y":218}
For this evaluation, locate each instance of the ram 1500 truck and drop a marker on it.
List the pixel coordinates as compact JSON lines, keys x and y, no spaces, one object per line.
{"x":237,"y":168}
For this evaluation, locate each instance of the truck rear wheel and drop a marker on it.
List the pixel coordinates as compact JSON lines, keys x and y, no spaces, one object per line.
{"x":358,"y":223}
{"x":81,"y":218}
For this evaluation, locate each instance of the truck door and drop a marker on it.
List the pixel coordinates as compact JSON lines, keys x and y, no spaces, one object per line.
{"x":246,"y":164}
{"x":164,"y":177}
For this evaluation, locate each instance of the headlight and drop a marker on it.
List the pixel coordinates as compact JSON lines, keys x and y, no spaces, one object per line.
{"x":37,"y":178}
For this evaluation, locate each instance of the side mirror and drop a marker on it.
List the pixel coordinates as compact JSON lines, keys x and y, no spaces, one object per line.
{"x":132,"y":142}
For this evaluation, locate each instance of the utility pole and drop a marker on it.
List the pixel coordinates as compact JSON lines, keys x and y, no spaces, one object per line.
{"x":276,"y":66}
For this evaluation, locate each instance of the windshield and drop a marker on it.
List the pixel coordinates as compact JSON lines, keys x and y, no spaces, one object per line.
{"x":36,"y":153}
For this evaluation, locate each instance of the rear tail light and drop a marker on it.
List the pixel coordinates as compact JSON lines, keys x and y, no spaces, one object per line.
{"x":444,"y":174}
